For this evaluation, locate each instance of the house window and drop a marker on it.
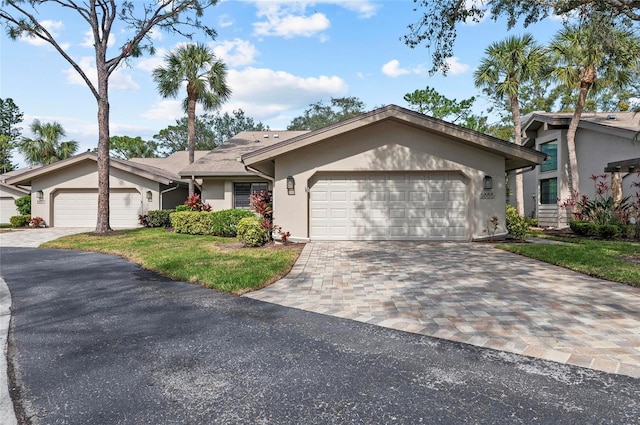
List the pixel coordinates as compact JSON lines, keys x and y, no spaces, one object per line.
{"x":242,"y":192}
{"x":548,"y":191}
{"x":551,"y":163}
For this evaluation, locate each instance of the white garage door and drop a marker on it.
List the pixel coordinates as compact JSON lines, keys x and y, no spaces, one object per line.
{"x":424,"y":206}
{"x":80,"y":208}
{"x":7,"y":209}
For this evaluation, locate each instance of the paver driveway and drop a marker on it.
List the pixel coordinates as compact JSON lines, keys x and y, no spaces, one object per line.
{"x":472,"y":293}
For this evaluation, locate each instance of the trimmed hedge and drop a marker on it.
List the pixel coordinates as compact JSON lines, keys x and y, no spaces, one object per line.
{"x":251,"y":232}
{"x":159,"y":218}
{"x":516,"y":224}
{"x":20,"y":220}
{"x":23,"y":205}
{"x":217,"y":223}
{"x":225,"y":222}
{"x":191,"y":222}
{"x":592,"y":230}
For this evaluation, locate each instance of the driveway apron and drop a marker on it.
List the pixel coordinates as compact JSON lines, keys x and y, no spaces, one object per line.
{"x":471,"y":293}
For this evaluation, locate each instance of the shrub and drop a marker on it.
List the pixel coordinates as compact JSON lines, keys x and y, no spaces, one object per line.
{"x":159,"y":218}
{"x":180,"y":208}
{"x":20,"y":220}
{"x":583,"y":228}
{"x":23,"y":205}
{"x":516,"y":225}
{"x":195,"y":204}
{"x":251,"y":232}
{"x":143,"y":220}
{"x":608,"y":231}
{"x":191,"y":222}
{"x":225,"y":222}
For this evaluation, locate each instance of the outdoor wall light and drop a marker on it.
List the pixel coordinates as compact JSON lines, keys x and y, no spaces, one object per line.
{"x":487,"y":183}
{"x":291,"y":185}
{"x":40,"y":195}
{"x":149,"y":195}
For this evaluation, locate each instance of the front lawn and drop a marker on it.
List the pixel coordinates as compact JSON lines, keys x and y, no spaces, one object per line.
{"x":611,"y":260}
{"x":215,"y":262}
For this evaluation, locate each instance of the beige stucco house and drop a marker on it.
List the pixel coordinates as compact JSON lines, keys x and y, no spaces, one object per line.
{"x":8,"y":195}
{"x":389,"y":174}
{"x":603,"y":141}
{"x":65,"y":193}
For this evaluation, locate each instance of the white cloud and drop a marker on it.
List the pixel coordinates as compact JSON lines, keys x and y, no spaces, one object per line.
{"x":392,"y":69}
{"x":455,"y":67}
{"x":156,"y":34}
{"x":150,"y":63}
{"x":165,"y":109}
{"x":88,"y":40}
{"x":119,"y":80}
{"x":481,"y":5}
{"x":288,"y":26}
{"x":225,"y":21}
{"x":52,"y":26}
{"x":364,"y":8}
{"x":236,"y":52}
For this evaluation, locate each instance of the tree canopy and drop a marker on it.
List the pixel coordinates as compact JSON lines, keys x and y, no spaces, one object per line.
{"x":211,"y":130}
{"x":46,"y":147}
{"x":436,"y":27}
{"x":126,"y":147}
{"x":320,"y":115}
{"x":101,"y":19}
{"x":10,"y":116}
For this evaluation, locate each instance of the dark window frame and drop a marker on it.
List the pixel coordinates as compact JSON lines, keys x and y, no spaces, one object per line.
{"x":551,"y":163}
{"x":243,"y":190}
{"x":546,"y":197}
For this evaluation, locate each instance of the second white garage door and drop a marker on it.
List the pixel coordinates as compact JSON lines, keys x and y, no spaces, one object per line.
{"x":387,"y":206}
{"x":79,"y":208}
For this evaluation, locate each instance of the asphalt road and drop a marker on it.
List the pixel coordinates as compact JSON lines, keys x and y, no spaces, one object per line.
{"x":97,"y":340}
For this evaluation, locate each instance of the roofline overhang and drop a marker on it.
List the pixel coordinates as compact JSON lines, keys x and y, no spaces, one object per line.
{"x":392,"y":112}
{"x":201,"y":174}
{"x":26,"y":177}
{"x":564,"y":121}
{"x":16,"y":188}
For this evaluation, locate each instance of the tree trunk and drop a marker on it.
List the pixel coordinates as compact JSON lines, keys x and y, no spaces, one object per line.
{"x":517,"y":139}
{"x":102,"y":224}
{"x":587,"y":76}
{"x":191,"y":133}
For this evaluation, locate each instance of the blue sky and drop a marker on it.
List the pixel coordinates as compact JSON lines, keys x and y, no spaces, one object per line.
{"x":281,"y":55}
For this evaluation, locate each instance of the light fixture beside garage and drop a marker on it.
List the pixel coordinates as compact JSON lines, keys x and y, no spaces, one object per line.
{"x":487,"y":183}
{"x":40,"y":195}
{"x":291,"y":185}
{"x":149,"y":195}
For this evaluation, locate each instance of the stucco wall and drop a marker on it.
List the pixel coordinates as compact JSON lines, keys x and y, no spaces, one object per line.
{"x":388,"y":146}
{"x":218,"y":192}
{"x":594,"y":151}
{"x":8,"y":208}
{"x":84,"y":175}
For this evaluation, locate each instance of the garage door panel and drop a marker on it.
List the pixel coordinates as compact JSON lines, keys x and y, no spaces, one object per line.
{"x":389,"y":206}
{"x":80,"y":208}
{"x":7,"y":209}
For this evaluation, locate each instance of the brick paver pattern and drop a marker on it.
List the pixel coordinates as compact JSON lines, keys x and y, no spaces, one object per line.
{"x":471,"y":293}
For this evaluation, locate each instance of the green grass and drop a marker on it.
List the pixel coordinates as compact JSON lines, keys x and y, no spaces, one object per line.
{"x":610,"y":260}
{"x":220,"y":263}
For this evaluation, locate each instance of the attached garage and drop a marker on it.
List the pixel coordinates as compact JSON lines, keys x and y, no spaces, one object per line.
{"x":390,"y":174}
{"x":79,"y":208}
{"x":7,"y":209}
{"x":387,"y":206}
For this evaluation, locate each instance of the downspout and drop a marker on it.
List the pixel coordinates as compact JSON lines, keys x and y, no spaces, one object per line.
{"x":254,"y":171}
{"x":165,"y":191}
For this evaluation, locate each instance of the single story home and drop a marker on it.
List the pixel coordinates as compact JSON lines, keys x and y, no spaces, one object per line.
{"x":65,"y":193}
{"x":604,"y":141}
{"x":8,"y":195}
{"x":390,"y":174}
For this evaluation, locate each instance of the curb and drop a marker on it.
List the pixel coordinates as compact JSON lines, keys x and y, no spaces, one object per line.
{"x":7,"y":414}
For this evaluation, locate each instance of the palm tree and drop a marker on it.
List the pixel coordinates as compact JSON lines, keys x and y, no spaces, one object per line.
{"x":591,"y":57}
{"x":205,"y":78}
{"x":506,"y":65}
{"x":46,"y":147}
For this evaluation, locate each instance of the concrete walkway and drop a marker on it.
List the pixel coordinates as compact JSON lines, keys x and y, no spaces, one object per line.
{"x":471,"y":293}
{"x":32,"y":238}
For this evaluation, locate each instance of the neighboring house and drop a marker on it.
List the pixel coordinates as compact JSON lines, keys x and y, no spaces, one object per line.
{"x":389,"y":174}
{"x":65,"y":193}
{"x":602,"y":139}
{"x":8,"y":195}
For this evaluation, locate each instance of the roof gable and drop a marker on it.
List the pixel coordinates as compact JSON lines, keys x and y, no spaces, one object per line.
{"x":516,"y":156}
{"x":149,"y":172}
